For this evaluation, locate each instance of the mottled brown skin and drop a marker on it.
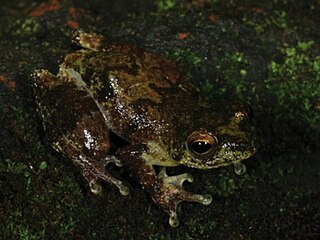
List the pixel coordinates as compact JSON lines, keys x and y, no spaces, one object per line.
{"x":75,"y":127}
{"x":142,"y":99}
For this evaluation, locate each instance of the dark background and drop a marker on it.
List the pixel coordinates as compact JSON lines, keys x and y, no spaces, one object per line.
{"x":265,"y":53}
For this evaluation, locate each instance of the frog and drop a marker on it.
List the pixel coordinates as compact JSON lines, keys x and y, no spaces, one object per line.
{"x":106,"y":91}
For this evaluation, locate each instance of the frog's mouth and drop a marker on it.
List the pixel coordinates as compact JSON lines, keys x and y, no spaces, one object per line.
{"x":224,"y":155}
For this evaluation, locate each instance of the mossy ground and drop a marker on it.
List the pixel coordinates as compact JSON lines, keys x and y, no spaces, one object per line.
{"x":267,"y":54}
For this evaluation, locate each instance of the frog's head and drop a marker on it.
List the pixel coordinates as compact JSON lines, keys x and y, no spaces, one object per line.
{"x":219,"y":139}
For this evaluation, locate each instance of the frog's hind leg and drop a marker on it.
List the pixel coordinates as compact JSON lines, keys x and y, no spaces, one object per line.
{"x":43,"y":81}
{"x":92,"y":170}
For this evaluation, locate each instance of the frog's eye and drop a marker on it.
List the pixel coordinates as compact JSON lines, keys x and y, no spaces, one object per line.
{"x":201,"y":143}
{"x":201,"y":147}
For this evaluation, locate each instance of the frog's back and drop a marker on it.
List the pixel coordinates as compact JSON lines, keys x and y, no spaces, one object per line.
{"x":132,"y":87}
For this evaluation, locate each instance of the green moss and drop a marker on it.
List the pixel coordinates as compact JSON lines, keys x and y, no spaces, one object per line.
{"x":232,"y":71}
{"x":43,"y":165}
{"x":48,"y":202}
{"x":42,"y":199}
{"x":295,"y":84}
{"x":186,"y":55}
{"x":277,"y":21}
{"x":16,"y":226}
{"x":45,"y":209}
{"x":165,"y":5}
{"x":194,"y":225}
{"x":26,"y":27}
{"x":17,"y":168}
{"x":225,"y":183}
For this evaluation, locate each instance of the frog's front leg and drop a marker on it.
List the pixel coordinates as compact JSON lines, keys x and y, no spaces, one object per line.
{"x":166,"y":191}
{"x":171,"y":193}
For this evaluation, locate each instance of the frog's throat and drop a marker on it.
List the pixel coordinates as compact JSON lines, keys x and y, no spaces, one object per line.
{"x":157,"y":155}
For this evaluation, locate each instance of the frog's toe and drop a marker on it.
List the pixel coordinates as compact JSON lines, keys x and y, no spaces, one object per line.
{"x":206,"y":199}
{"x":111,"y":159}
{"x":175,"y":196}
{"x":92,"y":178}
{"x":175,"y":180}
{"x":178,"y":180}
{"x":95,"y":170}
{"x":123,"y":189}
{"x":95,"y":187}
{"x":173,"y":219}
{"x":239,"y":168}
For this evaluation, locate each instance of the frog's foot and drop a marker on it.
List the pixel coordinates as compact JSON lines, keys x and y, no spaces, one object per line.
{"x":239,"y":168}
{"x":95,"y":170}
{"x":111,"y":159}
{"x":171,"y":193}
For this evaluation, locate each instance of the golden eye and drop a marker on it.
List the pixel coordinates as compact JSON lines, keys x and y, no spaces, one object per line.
{"x":201,"y":143}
